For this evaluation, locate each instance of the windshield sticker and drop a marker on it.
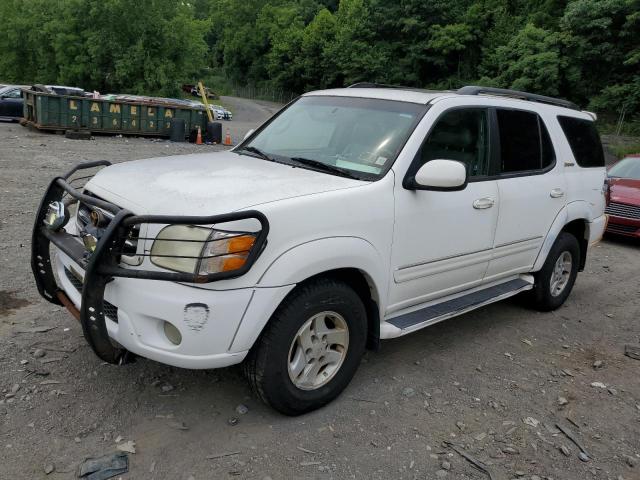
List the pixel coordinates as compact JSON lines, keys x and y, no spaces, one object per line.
{"x":381,"y":160}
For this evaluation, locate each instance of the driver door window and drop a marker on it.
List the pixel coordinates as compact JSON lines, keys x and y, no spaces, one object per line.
{"x":17,"y":93}
{"x":460,"y":134}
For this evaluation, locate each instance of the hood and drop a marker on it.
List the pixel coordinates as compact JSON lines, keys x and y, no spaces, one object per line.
{"x":207,"y":184}
{"x":624,"y":190}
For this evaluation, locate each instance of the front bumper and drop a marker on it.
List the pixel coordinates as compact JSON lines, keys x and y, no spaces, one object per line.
{"x":596,"y":229}
{"x":629,"y":227}
{"x":145,"y":299}
{"x":136,"y":310}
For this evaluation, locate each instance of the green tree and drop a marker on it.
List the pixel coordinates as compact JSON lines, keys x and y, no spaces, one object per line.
{"x":531,"y":61}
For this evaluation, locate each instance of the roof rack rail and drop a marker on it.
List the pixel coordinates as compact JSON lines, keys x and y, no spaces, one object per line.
{"x":532,"y":97}
{"x":372,"y":85}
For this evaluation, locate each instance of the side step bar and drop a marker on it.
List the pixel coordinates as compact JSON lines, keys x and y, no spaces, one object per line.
{"x":457,"y":306}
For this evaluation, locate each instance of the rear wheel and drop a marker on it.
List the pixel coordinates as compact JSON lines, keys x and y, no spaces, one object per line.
{"x":310,"y":349}
{"x":555,"y":279}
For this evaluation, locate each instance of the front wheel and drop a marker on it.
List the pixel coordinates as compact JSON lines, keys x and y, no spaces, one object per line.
{"x":555,"y":279}
{"x":310,"y":349}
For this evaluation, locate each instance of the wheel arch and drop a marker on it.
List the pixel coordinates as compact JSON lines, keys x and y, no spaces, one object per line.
{"x":575,"y":219}
{"x":579,"y":229}
{"x":350,"y":259}
{"x":366,"y":289}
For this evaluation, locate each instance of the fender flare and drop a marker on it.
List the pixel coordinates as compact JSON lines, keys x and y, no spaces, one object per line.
{"x":324,"y":254}
{"x":578,"y":210}
{"x":304,"y":261}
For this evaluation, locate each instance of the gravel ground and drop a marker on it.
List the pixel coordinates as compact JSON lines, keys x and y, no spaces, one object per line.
{"x":495,"y":382}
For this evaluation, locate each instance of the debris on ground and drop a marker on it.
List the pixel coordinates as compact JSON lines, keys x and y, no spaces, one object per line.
{"x":104,"y":467}
{"x":242,"y":409}
{"x":215,"y":456}
{"x":305,"y":450}
{"x":571,"y":436}
{"x":233,"y":421}
{"x":178,"y":425}
{"x":474,"y":461}
{"x":34,"y":329}
{"x":39,"y":353}
{"x":632,"y":351}
{"x":129,"y":446}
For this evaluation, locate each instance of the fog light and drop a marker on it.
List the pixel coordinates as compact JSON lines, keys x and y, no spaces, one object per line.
{"x":90,"y":242}
{"x":172,"y":333}
{"x":57,"y":216}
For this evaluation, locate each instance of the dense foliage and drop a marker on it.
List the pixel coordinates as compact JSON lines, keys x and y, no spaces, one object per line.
{"x":585,"y":50}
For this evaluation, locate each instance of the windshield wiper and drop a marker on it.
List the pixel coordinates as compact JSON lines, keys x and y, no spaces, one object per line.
{"x":258,"y":152}
{"x":324,"y":167}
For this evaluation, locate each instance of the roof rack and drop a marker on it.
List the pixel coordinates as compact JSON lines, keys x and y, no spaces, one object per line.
{"x":503,"y":92}
{"x":395,"y":87}
{"x":372,"y":85}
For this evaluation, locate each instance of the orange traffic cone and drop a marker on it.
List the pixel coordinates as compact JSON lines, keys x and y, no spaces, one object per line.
{"x":199,"y":137}
{"x":227,"y":138}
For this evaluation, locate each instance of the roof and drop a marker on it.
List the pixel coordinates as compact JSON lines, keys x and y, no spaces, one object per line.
{"x":415,"y":95}
{"x":398,"y":94}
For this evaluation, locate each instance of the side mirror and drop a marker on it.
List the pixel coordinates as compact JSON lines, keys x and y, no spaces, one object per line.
{"x":248,"y":134}
{"x":440,"y":175}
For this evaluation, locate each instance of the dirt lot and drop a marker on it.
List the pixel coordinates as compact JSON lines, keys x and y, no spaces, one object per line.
{"x":495,"y":381}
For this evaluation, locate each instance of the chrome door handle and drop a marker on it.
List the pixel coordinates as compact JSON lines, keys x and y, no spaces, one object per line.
{"x":557,"y":193}
{"x":482,"y":203}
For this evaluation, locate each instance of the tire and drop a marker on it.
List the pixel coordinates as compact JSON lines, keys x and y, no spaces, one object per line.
{"x":545,"y":298}
{"x":333,"y":304}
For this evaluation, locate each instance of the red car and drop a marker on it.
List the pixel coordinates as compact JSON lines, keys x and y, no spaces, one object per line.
{"x":623,"y":197}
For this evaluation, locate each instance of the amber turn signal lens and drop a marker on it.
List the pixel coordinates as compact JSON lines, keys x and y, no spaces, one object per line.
{"x":241,"y":244}
{"x":233,"y":263}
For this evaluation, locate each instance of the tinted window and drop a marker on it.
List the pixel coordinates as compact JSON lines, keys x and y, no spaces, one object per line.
{"x":460,"y":135}
{"x":584,"y":141}
{"x":524,"y":142}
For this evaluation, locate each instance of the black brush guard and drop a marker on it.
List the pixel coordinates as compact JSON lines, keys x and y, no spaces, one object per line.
{"x":104,"y":263}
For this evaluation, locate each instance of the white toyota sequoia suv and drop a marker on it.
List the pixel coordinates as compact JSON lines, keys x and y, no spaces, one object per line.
{"x":352,"y":215}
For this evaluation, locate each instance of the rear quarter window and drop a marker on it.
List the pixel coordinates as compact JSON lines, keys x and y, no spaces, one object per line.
{"x":584,"y":141}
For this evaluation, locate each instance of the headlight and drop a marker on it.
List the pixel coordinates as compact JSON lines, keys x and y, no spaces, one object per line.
{"x":201,"y":250}
{"x":57,"y":216}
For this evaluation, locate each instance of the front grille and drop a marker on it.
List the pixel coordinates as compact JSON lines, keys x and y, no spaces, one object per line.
{"x":617,"y":228}
{"x":77,"y":284}
{"x":110,"y":310}
{"x":623,"y":210}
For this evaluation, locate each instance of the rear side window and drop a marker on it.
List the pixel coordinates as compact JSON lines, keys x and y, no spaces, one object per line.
{"x":524,"y":142}
{"x":584,"y":141}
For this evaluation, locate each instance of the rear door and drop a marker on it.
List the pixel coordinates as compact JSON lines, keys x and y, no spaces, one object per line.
{"x":531,"y":186}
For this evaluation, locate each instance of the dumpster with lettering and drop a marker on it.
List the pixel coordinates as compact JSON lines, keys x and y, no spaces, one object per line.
{"x":117,"y":114}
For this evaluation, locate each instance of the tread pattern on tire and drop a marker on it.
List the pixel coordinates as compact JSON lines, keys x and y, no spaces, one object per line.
{"x":254,"y":363}
{"x":540,"y":299}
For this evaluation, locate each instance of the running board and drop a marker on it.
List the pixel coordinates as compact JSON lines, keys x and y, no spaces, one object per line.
{"x":457,"y":306}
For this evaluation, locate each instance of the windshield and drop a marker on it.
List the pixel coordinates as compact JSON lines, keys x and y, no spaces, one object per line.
{"x":626,"y":168}
{"x":359,"y":136}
